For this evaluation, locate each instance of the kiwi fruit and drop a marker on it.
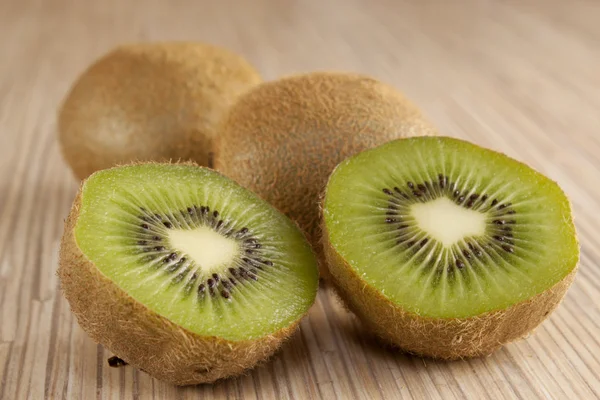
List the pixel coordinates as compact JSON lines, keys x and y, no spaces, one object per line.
{"x":150,"y":101}
{"x":283,"y":138}
{"x":447,"y":249}
{"x":183,"y":273}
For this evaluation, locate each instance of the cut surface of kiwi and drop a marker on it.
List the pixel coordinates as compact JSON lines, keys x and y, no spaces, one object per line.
{"x":441,"y":228}
{"x":214,"y":269}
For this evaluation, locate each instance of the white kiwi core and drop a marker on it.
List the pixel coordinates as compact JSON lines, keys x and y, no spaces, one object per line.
{"x":209,"y":249}
{"x":448,"y":222}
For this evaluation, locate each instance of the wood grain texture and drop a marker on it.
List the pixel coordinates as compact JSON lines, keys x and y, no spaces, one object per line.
{"x":521,"y":76}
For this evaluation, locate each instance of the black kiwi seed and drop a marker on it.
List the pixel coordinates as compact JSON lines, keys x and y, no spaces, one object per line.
{"x":201,"y":288}
{"x":508,"y":248}
{"x":220,"y":223}
{"x":116,"y":362}
{"x":159,"y":248}
{"x":460,"y":264}
{"x":226,"y":284}
{"x":494,"y":202}
{"x":269,"y":263}
{"x":421,"y":187}
{"x":474,"y":196}
{"x":233,"y":271}
{"x":499,"y":238}
{"x":216,"y":214}
{"x":215,"y":277}
{"x":484,"y":198}
{"x":387,"y":191}
{"x":410,"y":185}
{"x":423,"y":242}
{"x":456,"y":193}
{"x":478,"y":253}
{"x":190,"y":210}
{"x":471,"y":246}
{"x":442,"y":181}
{"x":142,"y":242}
{"x":172,"y":256}
{"x":461,"y":199}
{"x":390,"y":220}
{"x":156,"y":238}
{"x":416,"y":193}
{"x":397,"y":190}
{"x":499,"y":221}
{"x":167,"y":224}
{"x":469,"y":203}
{"x":243,"y":230}
{"x":233,"y":281}
{"x":145,"y":226}
{"x":225,"y":293}
{"x":210,"y":282}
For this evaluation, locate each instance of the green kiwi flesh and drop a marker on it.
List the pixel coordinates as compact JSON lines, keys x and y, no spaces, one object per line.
{"x":198,"y":254}
{"x":443,"y":229}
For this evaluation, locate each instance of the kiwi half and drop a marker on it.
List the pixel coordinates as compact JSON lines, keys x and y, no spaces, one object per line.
{"x":183,"y":273}
{"x":447,"y":249}
{"x":283,"y":138}
{"x":150,"y":101}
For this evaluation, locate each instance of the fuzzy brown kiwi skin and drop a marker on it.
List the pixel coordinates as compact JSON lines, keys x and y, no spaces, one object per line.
{"x":150,"y":101}
{"x":283,"y":138}
{"x":143,"y":338}
{"x":440,"y":338}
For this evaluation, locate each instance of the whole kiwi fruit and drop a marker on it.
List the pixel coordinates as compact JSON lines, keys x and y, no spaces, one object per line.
{"x":283,"y":138}
{"x":447,"y":249}
{"x":150,"y":101}
{"x":183,"y":273}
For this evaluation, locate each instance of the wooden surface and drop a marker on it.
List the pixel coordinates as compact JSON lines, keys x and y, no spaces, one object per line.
{"x":520,"y":76}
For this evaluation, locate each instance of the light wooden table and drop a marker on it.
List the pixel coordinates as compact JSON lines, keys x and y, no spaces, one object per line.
{"x":520,"y":76}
